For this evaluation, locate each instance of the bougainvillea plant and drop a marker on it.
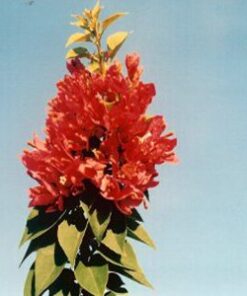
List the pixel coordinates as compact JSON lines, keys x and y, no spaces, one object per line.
{"x":93,"y":169}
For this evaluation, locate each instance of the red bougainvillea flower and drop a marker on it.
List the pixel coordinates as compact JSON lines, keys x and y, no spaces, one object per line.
{"x":97,"y":131}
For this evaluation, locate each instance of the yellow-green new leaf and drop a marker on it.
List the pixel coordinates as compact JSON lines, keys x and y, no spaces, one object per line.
{"x":99,"y":223}
{"x":46,"y":268}
{"x":135,"y":271}
{"x":116,"y":294}
{"x":115,"y":41}
{"x":129,"y":257}
{"x":81,"y":21}
{"x":28,"y":288}
{"x":111,"y":19}
{"x":70,"y":238}
{"x":115,"y":241}
{"x":96,"y":10}
{"x":139,"y":277}
{"x":71,"y":54}
{"x":110,"y":260}
{"x":60,"y":293}
{"x":39,"y":225}
{"x":92,"y":278}
{"x":78,"y":37}
{"x":93,"y":67}
{"x":26,"y":235}
{"x":139,"y":233}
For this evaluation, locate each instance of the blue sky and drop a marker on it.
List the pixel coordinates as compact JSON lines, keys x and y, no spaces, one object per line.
{"x":195,"y":51}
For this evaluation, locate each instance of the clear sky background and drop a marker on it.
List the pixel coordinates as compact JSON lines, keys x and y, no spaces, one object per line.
{"x":196,"y":53}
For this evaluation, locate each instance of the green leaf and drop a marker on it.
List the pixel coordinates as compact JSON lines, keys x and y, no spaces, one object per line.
{"x":48,"y":266}
{"x":99,"y":221}
{"x":26,"y":235}
{"x":86,"y":203}
{"x":65,"y":285}
{"x":114,"y":281}
{"x":137,"y":276}
{"x":136,"y":216}
{"x":29,"y":284}
{"x":110,"y":293}
{"x":78,"y":37}
{"x":110,"y":256}
{"x":138,"y":232}
{"x":115,"y":284}
{"x":77,"y":52}
{"x":129,"y":258}
{"x":40,"y":242}
{"x":130,"y":261}
{"x":38,"y":223}
{"x":111,"y":19}
{"x":115,"y":41}
{"x":115,"y":241}
{"x":70,"y":239}
{"x":60,"y":293}
{"x":92,"y":278}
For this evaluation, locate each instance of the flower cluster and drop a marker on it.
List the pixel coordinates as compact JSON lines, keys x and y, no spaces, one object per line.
{"x":97,"y":131}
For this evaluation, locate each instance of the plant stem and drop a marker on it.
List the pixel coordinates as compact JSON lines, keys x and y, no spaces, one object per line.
{"x":101,"y":65}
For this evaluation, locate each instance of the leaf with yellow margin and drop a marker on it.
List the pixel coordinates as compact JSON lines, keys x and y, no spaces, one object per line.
{"x":77,"y":52}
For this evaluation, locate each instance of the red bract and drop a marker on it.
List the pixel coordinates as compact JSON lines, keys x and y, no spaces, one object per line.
{"x":97,"y":131}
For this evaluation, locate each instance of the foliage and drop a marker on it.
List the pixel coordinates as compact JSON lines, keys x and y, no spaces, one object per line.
{"x":92,"y":32}
{"x":94,"y":168}
{"x":87,"y":246}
